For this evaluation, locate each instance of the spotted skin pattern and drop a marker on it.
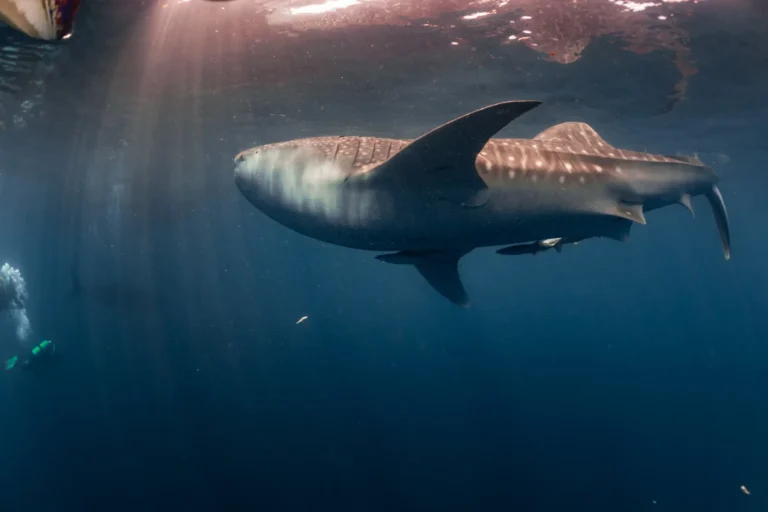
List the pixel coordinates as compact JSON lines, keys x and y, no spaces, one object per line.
{"x":569,"y":153}
{"x":432,"y":205}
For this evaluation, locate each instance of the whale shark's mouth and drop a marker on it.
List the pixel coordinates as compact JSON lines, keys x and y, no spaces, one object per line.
{"x":241,"y":156}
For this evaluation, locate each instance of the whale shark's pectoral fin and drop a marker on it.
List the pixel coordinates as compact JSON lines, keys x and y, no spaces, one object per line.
{"x":442,"y":161}
{"x":715,"y":199}
{"x":440,"y":269}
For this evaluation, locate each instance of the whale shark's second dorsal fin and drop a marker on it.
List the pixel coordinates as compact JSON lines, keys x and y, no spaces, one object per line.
{"x":573,"y":133}
{"x":443,"y":160}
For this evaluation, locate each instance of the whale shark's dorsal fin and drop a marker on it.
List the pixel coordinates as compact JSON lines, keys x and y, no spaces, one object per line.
{"x":715,"y":199}
{"x":444,"y":158}
{"x":573,"y":133}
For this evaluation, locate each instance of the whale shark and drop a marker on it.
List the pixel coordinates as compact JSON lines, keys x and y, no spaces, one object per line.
{"x":428,"y":202}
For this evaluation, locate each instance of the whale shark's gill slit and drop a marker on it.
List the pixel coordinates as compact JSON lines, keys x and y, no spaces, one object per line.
{"x":357,"y":145}
{"x":373,"y":152}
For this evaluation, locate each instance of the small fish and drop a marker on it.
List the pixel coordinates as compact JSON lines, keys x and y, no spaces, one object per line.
{"x":744,"y":490}
{"x":301,"y":319}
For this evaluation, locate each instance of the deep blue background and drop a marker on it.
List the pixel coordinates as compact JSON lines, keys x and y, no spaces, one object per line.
{"x":608,"y":376}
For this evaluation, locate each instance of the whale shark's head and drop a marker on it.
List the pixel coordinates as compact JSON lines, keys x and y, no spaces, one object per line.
{"x":288,"y":176}
{"x":301,"y":181}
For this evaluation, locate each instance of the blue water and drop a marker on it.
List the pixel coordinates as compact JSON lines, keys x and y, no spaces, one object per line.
{"x":612,"y":376}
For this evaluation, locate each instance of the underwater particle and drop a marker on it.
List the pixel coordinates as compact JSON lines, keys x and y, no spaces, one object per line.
{"x":301,"y":319}
{"x":744,"y":490}
{"x":19,"y":122}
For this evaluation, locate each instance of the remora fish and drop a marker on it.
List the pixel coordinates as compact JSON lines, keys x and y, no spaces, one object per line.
{"x":438,"y":197}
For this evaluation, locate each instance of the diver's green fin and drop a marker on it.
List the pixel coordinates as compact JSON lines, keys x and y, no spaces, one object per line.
{"x":10,"y":363}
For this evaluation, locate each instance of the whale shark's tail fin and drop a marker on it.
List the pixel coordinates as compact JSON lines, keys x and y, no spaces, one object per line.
{"x":439,"y":268}
{"x":715,"y":199}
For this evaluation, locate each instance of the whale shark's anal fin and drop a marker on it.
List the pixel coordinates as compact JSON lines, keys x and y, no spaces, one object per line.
{"x":442,"y":161}
{"x":440,"y":269}
{"x":685,"y":200}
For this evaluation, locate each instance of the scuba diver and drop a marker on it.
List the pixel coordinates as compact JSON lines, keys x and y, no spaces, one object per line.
{"x":13,"y":300}
{"x":40,"y":355}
